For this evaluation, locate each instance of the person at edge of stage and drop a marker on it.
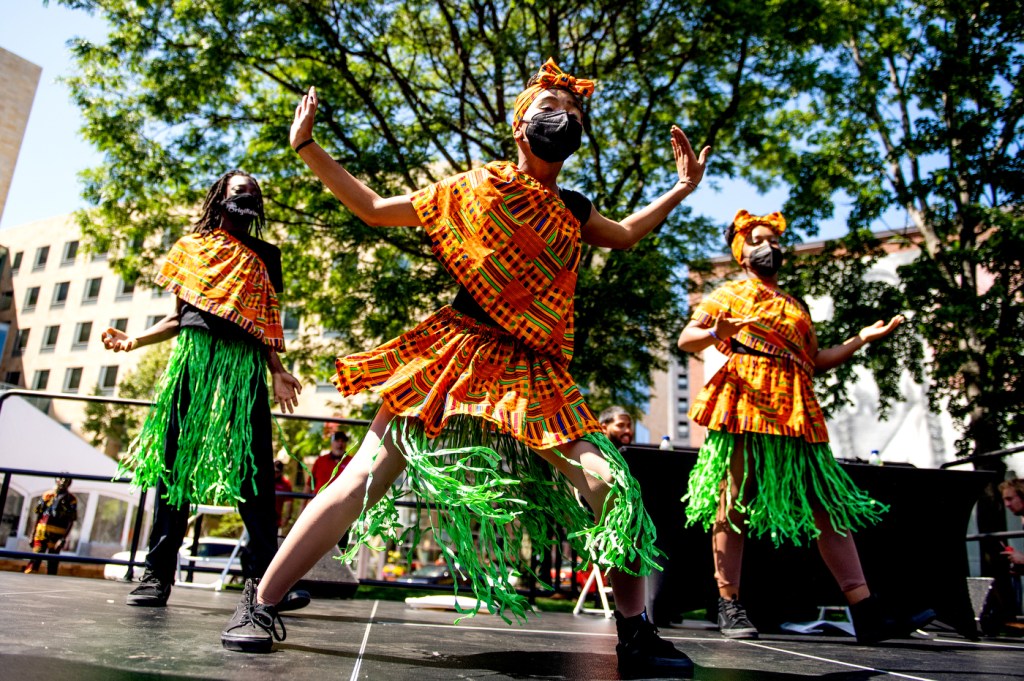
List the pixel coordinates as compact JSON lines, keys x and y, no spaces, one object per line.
{"x":766,"y":450}
{"x":207,"y":439}
{"x":488,"y":375}
{"x":56,"y":513}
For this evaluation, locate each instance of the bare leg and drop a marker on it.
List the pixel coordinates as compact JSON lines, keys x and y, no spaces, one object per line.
{"x":329,"y":514}
{"x":629,"y":590}
{"x":726,"y":542}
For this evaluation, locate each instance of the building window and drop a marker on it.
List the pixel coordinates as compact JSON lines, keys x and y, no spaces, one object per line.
{"x":125,"y":289}
{"x":108,"y":379}
{"x":683,"y":382}
{"x":16,"y":263}
{"x":159,"y":293}
{"x":684,"y":406}
{"x":49,"y":338}
{"x":41,"y":379}
{"x":92,"y":290}
{"x":60,"y":293}
{"x":20,"y":343}
{"x":12,"y":378}
{"x":99,"y":256}
{"x":70,"y":252}
{"x":683,"y":430}
{"x":153,"y":319}
{"x":72,"y":379}
{"x":121,"y":323}
{"x":82,"y":333}
{"x":31,"y":298}
{"x":42,"y":253}
{"x":6,"y":300}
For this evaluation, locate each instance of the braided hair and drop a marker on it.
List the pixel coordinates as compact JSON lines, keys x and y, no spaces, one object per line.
{"x":210,"y":218}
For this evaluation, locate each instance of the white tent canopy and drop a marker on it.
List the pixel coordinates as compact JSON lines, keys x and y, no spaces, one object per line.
{"x":31,"y":440}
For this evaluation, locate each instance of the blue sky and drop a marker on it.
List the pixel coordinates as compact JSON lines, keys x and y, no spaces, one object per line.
{"x":45,"y":180}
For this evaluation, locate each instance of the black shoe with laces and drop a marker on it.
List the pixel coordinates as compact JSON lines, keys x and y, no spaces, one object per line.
{"x":253,"y":627}
{"x":642,"y":653}
{"x":733,"y":621}
{"x":152,"y":592}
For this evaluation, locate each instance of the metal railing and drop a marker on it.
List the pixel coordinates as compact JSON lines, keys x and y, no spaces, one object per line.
{"x":132,"y":563}
{"x":34,"y":396}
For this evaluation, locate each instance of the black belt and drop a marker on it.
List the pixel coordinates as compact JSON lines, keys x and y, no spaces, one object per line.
{"x":465,"y":304}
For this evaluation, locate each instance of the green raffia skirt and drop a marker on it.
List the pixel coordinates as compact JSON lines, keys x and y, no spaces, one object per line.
{"x":789,"y":476}
{"x":214,"y":452}
{"x":482,"y":494}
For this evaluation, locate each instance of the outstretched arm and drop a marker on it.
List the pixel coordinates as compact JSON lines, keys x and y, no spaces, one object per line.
{"x":601,"y":231}
{"x":832,"y":357}
{"x":370,"y":207}
{"x":166,"y":328}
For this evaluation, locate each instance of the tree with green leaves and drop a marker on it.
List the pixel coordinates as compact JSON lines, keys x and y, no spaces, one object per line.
{"x":417,"y":90}
{"x":118,"y":424}
{"x":917,"y":110}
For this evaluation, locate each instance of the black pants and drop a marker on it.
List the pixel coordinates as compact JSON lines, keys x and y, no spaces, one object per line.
{"x":258,"y":512}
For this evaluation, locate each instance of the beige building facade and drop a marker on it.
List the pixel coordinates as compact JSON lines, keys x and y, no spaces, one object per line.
{"x":18,"y":82}
{"x":55,"y":302}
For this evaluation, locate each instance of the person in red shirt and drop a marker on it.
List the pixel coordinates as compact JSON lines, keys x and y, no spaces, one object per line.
{"x":329,"y":466}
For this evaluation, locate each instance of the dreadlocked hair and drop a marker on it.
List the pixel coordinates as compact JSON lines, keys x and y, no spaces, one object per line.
{"x":212,"y":213}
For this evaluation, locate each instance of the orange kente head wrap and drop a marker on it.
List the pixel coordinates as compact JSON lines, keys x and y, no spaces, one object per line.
{"x":744,"y":223}
{"x":549,"y":76}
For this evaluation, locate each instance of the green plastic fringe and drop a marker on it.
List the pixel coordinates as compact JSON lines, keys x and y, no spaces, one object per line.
{"x":215,"y":435}
{"x":483,"y":494}
{"x":789,"y":475}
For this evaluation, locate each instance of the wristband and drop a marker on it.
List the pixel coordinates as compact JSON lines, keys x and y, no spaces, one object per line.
{"x":307,"y":142}
{"x":714,"y":335}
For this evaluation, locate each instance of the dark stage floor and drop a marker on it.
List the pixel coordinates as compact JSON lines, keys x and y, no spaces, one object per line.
{"x":57,"y":628}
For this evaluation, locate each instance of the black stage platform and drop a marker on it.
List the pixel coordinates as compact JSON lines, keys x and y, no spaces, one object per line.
{"x":57,"y":628}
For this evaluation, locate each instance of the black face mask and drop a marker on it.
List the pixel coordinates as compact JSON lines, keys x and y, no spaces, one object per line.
{"x":554,"y":135}
{"x":241,"y":209}
{"x":765,"y":260}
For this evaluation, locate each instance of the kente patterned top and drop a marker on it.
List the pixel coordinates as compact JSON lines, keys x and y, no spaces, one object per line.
{"x":770,"y":391}
{"x":514,"y":245}
{"x":219,"y":274}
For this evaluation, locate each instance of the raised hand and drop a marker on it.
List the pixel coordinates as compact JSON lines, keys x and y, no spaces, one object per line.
{"x":879,"y":329}
{"x":688,"y":165}
{"x":305,"y":114}
{"x":118,"y":341}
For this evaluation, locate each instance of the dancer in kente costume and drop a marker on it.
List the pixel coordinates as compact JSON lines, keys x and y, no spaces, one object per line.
{"x":766,"y":468}
{"x":207,"y":440}
{"x":478,"y":404}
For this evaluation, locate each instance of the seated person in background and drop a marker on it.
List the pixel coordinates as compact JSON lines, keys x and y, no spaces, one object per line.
{"x":617,"y":425}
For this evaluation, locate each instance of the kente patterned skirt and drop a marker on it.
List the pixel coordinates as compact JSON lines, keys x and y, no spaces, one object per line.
{"x":470,"y":403}
{"x":451,"y":364}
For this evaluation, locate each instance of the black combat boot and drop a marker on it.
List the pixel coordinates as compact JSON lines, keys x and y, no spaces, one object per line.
{"x":874,"y":623}
{"x":642,"y":653}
